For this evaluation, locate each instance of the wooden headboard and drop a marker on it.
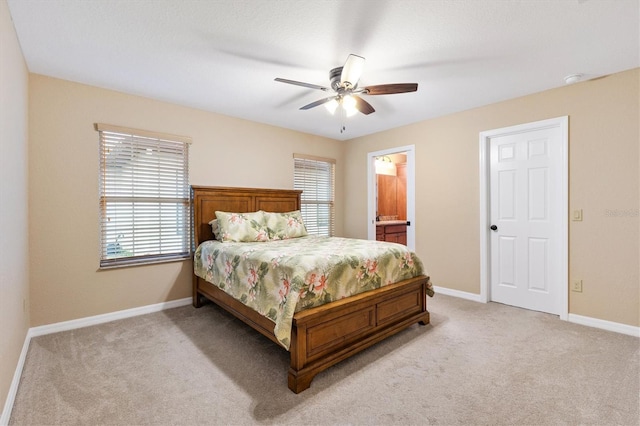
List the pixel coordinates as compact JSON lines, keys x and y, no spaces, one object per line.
{"x":207,"y":199}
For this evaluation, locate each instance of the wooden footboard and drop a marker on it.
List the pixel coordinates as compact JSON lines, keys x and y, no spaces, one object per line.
{"x":328,"y":334}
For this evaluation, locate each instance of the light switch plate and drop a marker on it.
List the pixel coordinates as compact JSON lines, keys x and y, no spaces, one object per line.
{"x":577,"y":215}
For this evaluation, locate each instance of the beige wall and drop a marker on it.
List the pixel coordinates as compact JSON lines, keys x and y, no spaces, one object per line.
{"x":63,"y":190}
{"x":604,"y":119}
{"x":14,"y":272}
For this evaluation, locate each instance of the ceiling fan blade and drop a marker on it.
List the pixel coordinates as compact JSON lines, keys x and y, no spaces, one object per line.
{"x":352,"y":70}
{"x":363,"y":106}
{"x":390,"y":89}
{"x":300,"y":83}
{"x":318,"y":102}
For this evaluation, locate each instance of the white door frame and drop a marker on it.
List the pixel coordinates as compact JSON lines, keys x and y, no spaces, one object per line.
{"x":411,"y":191}
{"x":485,"y":203}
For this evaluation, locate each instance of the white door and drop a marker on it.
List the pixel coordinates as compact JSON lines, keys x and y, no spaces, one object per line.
{"x":525,"y":217}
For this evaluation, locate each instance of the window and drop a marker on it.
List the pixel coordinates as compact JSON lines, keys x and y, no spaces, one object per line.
{"x":315,"y":177}
{"x":144,"y":197}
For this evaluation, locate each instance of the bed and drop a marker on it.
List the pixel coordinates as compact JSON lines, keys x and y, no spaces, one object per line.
{"x":319,"y":336}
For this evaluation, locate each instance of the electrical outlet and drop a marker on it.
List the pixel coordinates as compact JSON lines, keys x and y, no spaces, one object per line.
{"x":577,"y":286}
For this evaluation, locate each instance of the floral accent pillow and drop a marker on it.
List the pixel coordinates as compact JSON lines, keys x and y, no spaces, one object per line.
{"x":282,"y":226}
{"x":242,"y":227}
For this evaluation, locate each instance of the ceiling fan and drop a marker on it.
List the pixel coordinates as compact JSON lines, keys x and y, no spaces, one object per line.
{"x":344,"y":83}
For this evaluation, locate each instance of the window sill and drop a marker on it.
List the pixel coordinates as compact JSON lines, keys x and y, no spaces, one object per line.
{"x":118,"y":264}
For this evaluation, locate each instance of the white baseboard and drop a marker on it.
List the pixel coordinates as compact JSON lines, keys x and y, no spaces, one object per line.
{"x":577,"y":319}
{"x":605,"y":325}
{"x":457,"y":293}
{"x":101,"y":319}
{"x":13,"y":389}
{"x":71,"y":325}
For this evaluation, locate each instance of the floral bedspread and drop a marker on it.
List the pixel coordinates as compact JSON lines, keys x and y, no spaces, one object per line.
{"x":279,"y":278}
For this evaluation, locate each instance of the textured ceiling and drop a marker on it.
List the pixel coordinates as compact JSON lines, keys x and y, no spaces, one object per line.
{"x":222,"y":56}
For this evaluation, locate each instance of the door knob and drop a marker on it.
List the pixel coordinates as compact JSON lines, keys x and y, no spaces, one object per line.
{"x":494,"y":228}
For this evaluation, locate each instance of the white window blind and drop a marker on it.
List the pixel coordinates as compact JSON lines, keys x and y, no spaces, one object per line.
{"x":144,"y":197}
{"x":315,"y":177}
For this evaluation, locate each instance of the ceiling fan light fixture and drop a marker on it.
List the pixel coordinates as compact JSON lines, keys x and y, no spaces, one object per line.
{"x":346,"y":94}
{"x":349,"y":105}
{"x":352,"y":71}
{"x":331,"y":106}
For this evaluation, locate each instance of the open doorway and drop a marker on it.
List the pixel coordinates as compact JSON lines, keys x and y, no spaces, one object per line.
{"x":391,"y":196}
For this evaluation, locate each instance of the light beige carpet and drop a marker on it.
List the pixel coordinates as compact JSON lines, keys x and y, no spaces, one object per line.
{"x":476,"y":363}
